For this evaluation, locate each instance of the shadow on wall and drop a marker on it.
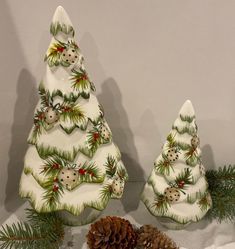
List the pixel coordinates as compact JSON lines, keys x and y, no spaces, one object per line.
{"x":208,"y":157}
{"x":117,"y":118}
{"x":91,"y":54}
{"x":17,"y":113}
{"x":22,"y":123}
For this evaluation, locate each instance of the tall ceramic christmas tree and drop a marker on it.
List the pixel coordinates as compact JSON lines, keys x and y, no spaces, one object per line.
{"x":72,"y":165}
{"x":177,"y":191}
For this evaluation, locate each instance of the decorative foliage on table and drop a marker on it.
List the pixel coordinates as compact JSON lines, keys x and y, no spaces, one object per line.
{"x":111,"y":232}
{"x":150,"y":237}
{"x":177,"y":181}
{"x":222,"y":191}
{"x":42,"y":231}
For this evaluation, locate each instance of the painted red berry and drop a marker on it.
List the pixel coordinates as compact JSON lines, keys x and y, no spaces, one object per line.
{"x":60,"y":49}
{"x":96,"y":136}
{"x":82,"y":171}
{"x":55,"y":166}
{"x":181,"y":184}
{"x":85,"y":77}
{"x":41,"y":116}
{"x":55,"y":188}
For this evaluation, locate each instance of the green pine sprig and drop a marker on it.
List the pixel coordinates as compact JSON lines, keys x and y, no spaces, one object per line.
{"x":39,"y":126}
{"x":44,"y":96}
{"x":106,"y":193}
{"x":183,"y":179}
{"x":42,"y":231}
{"x":205,"y":202}
{"x":89,"y":172}
{"x":122,"y":173}
{"x":81,"y":82}
{"x":94,"y":139}
{"x":72,"y":112}
{"x":222,"y":189}
{"x":171,"y":141}
{"x":53,"y":56}
{"x":111,"y":166}
{"x":191,"y":156}
{"x":161,"y":204}
{"x":163,"y":166}
{"x":53,"y":165}
{"x":53,"y":191}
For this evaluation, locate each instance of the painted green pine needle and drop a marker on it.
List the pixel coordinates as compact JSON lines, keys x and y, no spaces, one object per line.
{"x":80,"y":80}
{"x":72,"y":113}
{"x":58,"y":27}
{"x":44,"y":96}
{"x":185,"y":176}
{"x":222,"y":189}
{"x":53,"y":56}
{"x":163,"y":166}
{"x":186,"y":129}
{"x":161,"y":204}
{"x":106,"y":193}
{"x":171,"y":140}
{"x":204,"y":202}
{"x":186,"y":118}
{"x":111,"y":166}
{"x":122,"y":173}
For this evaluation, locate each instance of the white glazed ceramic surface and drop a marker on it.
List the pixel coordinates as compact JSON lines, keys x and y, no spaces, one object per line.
{"x":193,"y":200}
{"x":71,"y":163}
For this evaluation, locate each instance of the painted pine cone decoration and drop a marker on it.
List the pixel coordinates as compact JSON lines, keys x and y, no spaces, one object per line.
{"x":111,"y":233}
{"x":151,"y":238}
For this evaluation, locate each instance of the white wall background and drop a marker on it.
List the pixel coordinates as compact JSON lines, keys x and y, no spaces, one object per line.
{"x":145,"y":57}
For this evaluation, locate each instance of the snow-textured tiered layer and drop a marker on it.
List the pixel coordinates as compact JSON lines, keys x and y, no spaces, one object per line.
{"x":72,"y":162}
{"x":177,"y":188}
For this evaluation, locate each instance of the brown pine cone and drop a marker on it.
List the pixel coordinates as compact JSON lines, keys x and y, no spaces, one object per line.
{"x":111,"y":233}
{"x":150,"y":237}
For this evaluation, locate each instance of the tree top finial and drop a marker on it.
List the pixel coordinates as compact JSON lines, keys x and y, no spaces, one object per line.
{"x":61,"y":23}
{"x":187,"y":109}
{"x":61,"y":16}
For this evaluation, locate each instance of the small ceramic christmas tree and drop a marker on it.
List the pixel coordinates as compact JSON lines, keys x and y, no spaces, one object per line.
{"x":177,"y":191}
{"x":72,"y":164}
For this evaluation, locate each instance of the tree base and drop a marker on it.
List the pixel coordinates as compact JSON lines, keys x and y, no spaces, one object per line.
{"x":170,"y":224}
{"x":86,"y":217}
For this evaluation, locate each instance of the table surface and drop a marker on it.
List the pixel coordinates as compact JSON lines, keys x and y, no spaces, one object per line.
{"x":201,"y":235}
